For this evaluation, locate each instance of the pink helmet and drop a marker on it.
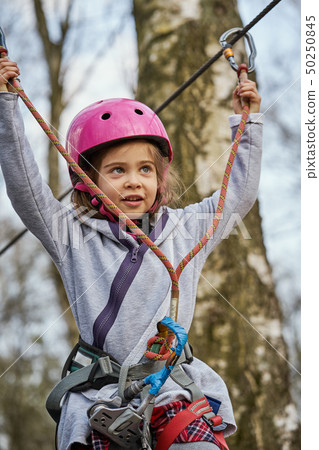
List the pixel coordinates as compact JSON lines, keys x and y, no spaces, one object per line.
{"x":115,"y":120}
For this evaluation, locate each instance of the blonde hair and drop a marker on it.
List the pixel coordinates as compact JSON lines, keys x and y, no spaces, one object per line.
{"x":169,"y":183}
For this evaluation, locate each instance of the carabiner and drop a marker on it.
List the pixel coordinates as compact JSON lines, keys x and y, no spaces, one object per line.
{"x":228,"y":52}
{"x":3,"y":46}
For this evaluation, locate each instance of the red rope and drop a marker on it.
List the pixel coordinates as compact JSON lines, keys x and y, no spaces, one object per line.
{"x":209,"y":233}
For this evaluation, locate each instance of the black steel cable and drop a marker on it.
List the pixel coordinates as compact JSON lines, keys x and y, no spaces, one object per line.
{"x":175,"y":94}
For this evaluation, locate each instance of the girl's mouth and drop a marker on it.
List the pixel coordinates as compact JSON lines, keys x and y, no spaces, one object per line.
{"x":133,"y":200}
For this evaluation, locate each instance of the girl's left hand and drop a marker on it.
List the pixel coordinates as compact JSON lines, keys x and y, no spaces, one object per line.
{"x":8,"y":69}
{"x":246,"y":90}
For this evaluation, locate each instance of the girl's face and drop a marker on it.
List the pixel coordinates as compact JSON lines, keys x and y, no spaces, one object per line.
{"x":128,"y":176}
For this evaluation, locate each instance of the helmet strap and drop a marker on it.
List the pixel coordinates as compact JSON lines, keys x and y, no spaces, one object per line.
{"x":98,"y":204}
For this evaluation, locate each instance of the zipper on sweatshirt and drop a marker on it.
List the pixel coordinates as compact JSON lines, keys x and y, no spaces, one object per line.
{"x":119,"y":292}
{"x":134,"y":254}
{"x":122,"y":282}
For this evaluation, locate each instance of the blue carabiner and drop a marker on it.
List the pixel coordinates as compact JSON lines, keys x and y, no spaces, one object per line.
{"x":156,"y":380}
{"x":228,"y":53}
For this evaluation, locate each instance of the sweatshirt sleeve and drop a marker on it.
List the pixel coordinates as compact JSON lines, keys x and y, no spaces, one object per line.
{"x":242,"y":187}
{"x":31,"y":198}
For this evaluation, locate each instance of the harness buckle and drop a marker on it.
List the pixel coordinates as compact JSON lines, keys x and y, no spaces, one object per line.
{"x":95,"y":200}
{"x":228,"y":52}
{"x":105,"y":365}
{"x":216,"y":423}
{"x":121,"y":425}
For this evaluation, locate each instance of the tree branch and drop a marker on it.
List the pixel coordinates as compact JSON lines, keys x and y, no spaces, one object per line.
{"x":43,"y":28}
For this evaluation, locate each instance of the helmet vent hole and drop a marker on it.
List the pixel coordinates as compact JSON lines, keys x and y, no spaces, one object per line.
{"x":106,"y":116}
{"x":139,"y":112}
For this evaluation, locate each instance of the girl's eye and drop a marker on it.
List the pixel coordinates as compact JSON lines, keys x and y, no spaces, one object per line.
{"x":117,"y":170}
{"x":146,"y":169}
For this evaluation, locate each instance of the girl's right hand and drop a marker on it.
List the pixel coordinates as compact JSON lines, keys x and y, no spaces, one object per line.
{"x":246,"y":90}
{"x":8,"y":69}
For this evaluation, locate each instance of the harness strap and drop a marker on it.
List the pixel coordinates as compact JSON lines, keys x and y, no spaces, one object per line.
{"x":180,"y":377}
{"x":122,"y":381}
{"x":146,"y":432}
{"x":194,"y":411}
{"x":219,"y":435}
{"x":104,"y":371}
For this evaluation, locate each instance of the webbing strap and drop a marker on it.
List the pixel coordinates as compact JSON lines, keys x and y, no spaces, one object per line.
{"x":102,"y":369}
{"x":194,"y":411}
{"x":181,"y":378}
{"x":122,"y":380}
{"x":219,"y":435}
{"x":105,"y":369}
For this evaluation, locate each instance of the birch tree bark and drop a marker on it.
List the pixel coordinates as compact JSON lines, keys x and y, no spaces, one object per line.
{"x":237,"y":328}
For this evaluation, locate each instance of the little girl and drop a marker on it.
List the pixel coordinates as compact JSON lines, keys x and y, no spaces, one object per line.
{"x":117,"y":288}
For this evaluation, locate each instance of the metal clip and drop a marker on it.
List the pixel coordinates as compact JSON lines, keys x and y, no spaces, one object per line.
{"x":228,"y":53}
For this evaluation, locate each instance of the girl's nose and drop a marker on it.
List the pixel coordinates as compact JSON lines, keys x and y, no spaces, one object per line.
{"x":132,"y":180}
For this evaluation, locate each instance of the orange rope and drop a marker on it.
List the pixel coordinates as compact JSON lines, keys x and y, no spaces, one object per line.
{"x":209,"y":233}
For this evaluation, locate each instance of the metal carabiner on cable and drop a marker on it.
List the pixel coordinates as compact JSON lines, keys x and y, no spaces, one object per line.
{"x":228,"y":52}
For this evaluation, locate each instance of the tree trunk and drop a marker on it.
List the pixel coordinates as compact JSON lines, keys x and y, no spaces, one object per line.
{"x":237,"y":327}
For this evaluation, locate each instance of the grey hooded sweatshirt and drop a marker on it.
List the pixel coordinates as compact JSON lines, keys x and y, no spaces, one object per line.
{"x":117,"y":288}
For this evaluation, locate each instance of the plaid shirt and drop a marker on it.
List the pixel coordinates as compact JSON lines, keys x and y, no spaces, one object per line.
{"x":196,"y":431}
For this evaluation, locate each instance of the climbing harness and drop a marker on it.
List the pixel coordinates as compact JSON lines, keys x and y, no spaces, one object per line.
{"x":128,"y":425}
{"x":131,"y":424}
{"x":123,"y":425}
